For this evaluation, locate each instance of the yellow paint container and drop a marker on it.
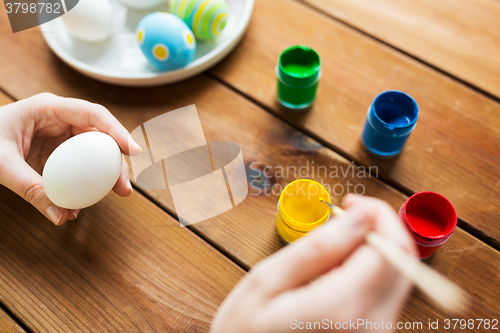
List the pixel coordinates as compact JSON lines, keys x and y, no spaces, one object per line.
{"x":300,"y":210}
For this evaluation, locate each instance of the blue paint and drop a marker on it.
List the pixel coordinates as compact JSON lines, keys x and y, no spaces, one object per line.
{"x":391,"y":118}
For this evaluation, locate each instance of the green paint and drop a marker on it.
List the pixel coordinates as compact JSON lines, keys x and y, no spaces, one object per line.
{"x":299,"y":69}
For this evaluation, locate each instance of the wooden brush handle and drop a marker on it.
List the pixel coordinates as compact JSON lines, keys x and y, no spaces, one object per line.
{"x":337,"y":211}
{"x":439,"y":288}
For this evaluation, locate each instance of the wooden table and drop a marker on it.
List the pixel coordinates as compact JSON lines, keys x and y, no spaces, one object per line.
{"x":126,"y":266}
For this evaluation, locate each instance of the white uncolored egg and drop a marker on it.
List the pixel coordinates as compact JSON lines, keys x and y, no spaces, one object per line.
{"x":82,"y":170}
{"x":90,"y":20}
{"x":142,"y":4}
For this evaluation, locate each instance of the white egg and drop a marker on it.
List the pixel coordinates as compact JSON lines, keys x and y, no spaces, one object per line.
{"x":82,"y":170}
{"x":142,"y":4}
{"x":90,"y":20}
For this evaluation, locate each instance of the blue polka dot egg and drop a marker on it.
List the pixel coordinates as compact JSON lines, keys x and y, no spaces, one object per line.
{"x":166,"y":41}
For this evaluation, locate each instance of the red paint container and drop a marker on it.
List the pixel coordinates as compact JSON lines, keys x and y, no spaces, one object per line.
{"x":430,"y":219}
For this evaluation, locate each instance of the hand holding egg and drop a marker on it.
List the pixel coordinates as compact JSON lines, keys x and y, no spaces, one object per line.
{"x":76,"y":177}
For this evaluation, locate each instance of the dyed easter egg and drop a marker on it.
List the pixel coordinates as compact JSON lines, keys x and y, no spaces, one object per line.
{"x":166,"y":41}
{"x":207,"y":18}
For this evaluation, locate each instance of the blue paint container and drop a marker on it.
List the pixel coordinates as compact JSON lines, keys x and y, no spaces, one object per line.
{"x":391,"y":118}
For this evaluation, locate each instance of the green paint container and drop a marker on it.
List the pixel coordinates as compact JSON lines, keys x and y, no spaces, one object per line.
{"x":298,"y":72}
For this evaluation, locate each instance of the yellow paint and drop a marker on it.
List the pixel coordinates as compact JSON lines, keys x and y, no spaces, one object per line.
{"x":300,"y":210}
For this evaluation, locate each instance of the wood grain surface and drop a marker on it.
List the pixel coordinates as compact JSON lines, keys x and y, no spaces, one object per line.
{"x":125,"y":265}
{"x":7,"y":325}
{"x":94,"y":256}
{"x":247,"y":233}
{"x":460,"y":37}
{"x":4,"y":99}
{"x":454,"y":149}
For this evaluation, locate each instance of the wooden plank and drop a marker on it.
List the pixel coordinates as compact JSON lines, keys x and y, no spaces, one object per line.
{"x":7,"y":325}
{"x":125,"y":265}
{"x":454,"y":149}
{"x":247,"y":233}
{"x":4,"y":99}
{"x":460,"y":37}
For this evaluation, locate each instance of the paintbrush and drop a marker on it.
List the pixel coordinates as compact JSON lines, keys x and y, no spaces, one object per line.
{"x":440,"y":289}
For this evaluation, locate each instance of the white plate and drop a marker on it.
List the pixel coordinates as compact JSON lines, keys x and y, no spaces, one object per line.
{"x":119,"y":60}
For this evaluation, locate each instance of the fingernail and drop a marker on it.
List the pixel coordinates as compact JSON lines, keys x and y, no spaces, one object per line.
{"x":134,"y":148}
{"x":75,"y":214}
{"x":54,"y":214}
{"x":129,"y":185}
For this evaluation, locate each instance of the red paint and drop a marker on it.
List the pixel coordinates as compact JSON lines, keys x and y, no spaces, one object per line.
{"x":425,"y":222}
{"x":430,"y":219}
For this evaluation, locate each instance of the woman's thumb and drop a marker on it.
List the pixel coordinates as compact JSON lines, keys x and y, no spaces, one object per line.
{"x":19,"y":177}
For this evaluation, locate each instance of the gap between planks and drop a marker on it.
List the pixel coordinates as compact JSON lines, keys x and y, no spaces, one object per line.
{"x":199,"y":233}
{"x":362,"y":32}
{"x":467,"y":227}
{"x":14,"y":318}
{"x":207,"y":241}
{"x":462,"y":224}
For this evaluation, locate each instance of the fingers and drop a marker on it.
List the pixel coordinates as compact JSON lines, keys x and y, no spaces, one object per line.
{"x":365,"y":280}
{"x":19,"y":177}
{"x":315,"y":254}
{"x":73,"y":214}
{"x":364,"y":286}
{"x":84,"y":114}
{"x":377,"y":283}
{"x":365,"y":271}
{"x":385,"y":219}
{"x":123,"y":186}
{"x":327,"y":250}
